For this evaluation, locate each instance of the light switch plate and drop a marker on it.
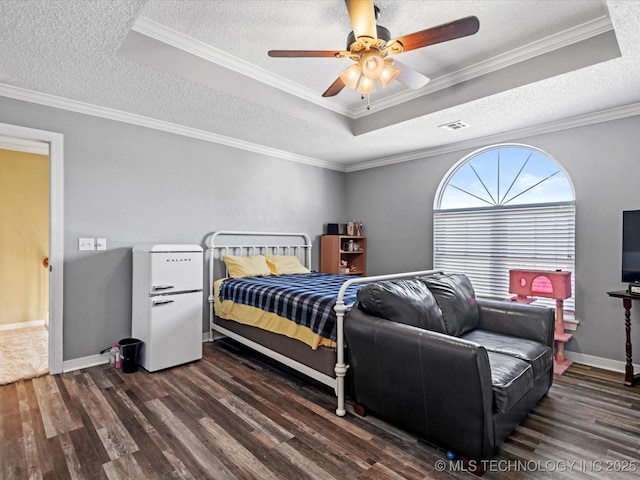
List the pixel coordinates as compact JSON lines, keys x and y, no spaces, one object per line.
{"x":86,"y":244}
{"x":101,"y":243}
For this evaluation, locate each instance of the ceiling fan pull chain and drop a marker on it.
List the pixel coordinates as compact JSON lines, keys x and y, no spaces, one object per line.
{"x":368,"y":102}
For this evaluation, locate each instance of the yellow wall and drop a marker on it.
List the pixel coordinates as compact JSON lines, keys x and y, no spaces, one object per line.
{"x":24,"y":236}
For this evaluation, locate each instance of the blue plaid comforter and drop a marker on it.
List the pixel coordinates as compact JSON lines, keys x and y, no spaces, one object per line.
{"x":307,"y":299}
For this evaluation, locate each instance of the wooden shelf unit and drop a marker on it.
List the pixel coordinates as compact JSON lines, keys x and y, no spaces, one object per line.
{"x":333,"y":252}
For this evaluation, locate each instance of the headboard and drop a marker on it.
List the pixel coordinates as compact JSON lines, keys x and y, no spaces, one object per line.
{"x":227,"y":242}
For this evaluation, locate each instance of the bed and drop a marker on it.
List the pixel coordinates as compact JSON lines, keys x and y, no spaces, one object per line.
{"x":283,"y":310}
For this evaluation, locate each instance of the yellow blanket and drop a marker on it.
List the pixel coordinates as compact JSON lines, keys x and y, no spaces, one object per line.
{"x":271,"y":322}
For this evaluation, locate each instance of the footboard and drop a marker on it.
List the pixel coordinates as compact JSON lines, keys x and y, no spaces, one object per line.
{"x":256,"y":243}
{"x":341,"y":309}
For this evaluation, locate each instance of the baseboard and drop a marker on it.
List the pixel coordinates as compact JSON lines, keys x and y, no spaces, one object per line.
{"x":93,"y":360}
{"x":590,"y":360}
{"x":19,"y":325}
{"x":598,"y":362}
{"x":85,"y":362}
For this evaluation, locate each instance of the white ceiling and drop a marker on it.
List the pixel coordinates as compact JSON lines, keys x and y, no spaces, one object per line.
{"x":200,"y":68}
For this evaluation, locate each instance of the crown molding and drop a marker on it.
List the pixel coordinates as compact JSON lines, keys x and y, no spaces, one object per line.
{"x":549,"y":127}
{"x":169,"y":36}
{"x":18,"y":93}
{"x":543,"y":46}
{"x":157,"y":31}
{"x":120,"y":116}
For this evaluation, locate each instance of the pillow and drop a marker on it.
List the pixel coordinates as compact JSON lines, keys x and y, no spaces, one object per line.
{"x":251,"y":266}
{"x":406,"y":301}
{"x":457,"y":300}
{"x":283,"y":264}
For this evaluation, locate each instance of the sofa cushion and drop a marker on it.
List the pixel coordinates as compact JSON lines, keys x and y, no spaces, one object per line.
{"x":511,"y":379}
{"x":539,"y":356}
{"x":457,"y":300}
{"x":403,"y":301}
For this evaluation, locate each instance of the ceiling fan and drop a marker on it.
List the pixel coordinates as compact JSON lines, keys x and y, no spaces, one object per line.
{"x":369,"y":46}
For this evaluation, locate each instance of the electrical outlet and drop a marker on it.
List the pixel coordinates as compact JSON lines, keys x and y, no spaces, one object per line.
{"x":101,"y":243}
{"x":86,"y":244}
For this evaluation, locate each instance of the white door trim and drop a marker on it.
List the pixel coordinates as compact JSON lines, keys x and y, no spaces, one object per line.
{"x":56,"y":232}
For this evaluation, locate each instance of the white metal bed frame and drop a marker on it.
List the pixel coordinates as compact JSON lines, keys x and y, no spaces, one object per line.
{"x":303,"y":250}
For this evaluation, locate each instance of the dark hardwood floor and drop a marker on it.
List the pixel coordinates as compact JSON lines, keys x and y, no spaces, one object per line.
{"x":235,"y":415}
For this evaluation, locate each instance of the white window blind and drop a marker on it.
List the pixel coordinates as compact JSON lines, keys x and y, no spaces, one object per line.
{"x":485,"y":243}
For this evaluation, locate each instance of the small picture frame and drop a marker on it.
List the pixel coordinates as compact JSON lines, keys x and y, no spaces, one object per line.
{"x":350,"y":229}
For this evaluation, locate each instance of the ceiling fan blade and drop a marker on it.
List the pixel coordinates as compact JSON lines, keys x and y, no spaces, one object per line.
{"x":335,"y":88}
{"x":442,"y":33}
{"x":363,"y":18}
{"x":305,"y":53}
{"x":409,"y":77}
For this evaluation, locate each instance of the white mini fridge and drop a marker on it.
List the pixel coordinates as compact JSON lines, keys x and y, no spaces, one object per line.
{"x":167,"y":304}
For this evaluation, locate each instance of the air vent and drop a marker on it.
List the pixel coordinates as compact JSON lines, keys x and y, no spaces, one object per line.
{"x":457,"y":125}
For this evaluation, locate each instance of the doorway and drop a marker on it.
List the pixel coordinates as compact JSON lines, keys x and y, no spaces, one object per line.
{"x":24,"y":255}
{"x":54,"y":142}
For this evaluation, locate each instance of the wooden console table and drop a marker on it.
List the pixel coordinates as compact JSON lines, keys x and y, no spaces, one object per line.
{"x":629,"y":378}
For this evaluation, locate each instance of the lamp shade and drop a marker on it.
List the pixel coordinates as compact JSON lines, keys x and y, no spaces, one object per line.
{"x":372,"y":65}
{"x":350,"y":76}
{"x":388,"y":74}
{"x":366,"y":85}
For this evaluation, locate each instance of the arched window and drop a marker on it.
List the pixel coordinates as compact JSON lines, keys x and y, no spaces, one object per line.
{"x":505,"y":207}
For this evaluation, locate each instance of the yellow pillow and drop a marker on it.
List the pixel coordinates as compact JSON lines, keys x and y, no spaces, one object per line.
{"x":283,"y":264}
{"x":250,"y":266}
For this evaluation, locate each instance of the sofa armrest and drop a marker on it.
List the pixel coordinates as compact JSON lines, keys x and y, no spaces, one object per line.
{"x":533,"y":322}
{"x":432,"y":383}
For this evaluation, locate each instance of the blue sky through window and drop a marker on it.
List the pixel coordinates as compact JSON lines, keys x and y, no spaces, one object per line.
{"x":506,"y":176}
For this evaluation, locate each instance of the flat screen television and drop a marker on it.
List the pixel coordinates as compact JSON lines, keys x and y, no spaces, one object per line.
{"x":631,"y":246}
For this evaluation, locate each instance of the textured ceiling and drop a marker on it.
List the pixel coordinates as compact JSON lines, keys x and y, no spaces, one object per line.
{"x":202,"y":66}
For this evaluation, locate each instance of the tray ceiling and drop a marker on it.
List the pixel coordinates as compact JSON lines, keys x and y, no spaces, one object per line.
{"x":200,"y":68}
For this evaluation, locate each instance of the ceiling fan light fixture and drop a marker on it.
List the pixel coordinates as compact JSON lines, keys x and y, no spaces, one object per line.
{"x":367,"y":85}
{"x":372,"y":65}
{"x":370,"y":44}
{"x":351,"y":76}
{"x":388,"y":74}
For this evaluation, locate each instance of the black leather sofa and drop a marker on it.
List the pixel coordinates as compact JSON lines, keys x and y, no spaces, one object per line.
{"x":460,"y":372}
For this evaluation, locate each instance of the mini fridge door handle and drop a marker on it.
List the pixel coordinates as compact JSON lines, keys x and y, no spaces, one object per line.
{"x":162,"y":302}
{"x":155,"y":288}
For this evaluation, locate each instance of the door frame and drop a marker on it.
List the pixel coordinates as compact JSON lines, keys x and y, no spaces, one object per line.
{"x":56,"y":233}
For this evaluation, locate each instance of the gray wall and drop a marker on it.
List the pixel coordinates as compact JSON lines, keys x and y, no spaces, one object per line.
{"x":134,"y":185}
{"x":603,"y":162}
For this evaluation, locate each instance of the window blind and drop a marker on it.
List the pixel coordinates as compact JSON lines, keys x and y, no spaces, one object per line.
{"x":485,"y":243}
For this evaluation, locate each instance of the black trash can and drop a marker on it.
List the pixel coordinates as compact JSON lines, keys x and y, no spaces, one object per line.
{"x":130,"y":354}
